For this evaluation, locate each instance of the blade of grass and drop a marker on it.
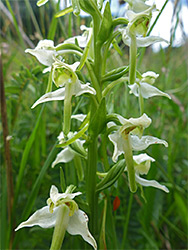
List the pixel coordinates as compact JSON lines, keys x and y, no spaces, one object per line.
{"x":32,"y":16}
{"x":180,"y":233}
{"x":150,"y":240}
{"x":15,"y":22}
{"x":127,"y":221}
{"x":21,"y":34}
{"x":26,"y":154}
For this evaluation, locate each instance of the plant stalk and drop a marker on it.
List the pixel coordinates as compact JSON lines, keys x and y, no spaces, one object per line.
{"x":132,"y":63}
{"x":60,"y":227}
{"x":91,"y":184}
{"x":130,"y":163}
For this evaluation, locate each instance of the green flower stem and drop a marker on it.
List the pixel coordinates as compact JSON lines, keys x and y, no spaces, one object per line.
{"x":132,"y":63}
{"x":79,"y":168}
{"x":60,"y":227}
{"x":97,"y":48}
{"x":141,"y":104}
{"x":129,"y":162}
{"x":91,"y":184}
{"x":67,"y":109}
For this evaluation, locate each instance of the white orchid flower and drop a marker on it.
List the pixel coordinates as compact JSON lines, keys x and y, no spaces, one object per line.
{"x":139,"y":22}
{"x":45,"y":52}
{"x":139,"y":19}
{"x":68,"y":154}
{"x":137,"y":5}
{"x":134,"y":127}
{"x":142,"y":164}
{"x":83,"y":39}
{"x":145,"y":88}
{"x":64,"y":75}
{"x":47,"y":216}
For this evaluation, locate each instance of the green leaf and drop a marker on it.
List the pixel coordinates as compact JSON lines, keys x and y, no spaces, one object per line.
{"x":119,"y":21}
{"x":116,"y":47}
{"x":90,"y":7}
{"x":74,"y":138}
{"x":68,"y":46}
{"x":52,"y":29}
{"x":115,"y":74}
{"x":41,"y":2}
{"x":98,"y":122}
{"x":26,"y":154}
{"x":106,"y":25}
{"x":64,"y":12}
{"x":112,"y":176}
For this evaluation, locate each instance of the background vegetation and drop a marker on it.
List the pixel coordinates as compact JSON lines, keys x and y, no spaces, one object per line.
{"x":155,"y":221}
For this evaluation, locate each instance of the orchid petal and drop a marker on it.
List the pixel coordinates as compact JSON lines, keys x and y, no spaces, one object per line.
{"x":46,"y":70}
{"x":142,"y":163}
{"x":44,"y":52}
{"x":57,"y":95}
{"x":143,"y":143}
{"x":149,"y":77}
{"x":80,"y":89}
{"x":42,"y":218}
{"x":142,"y":41}
{"x":79,"y":117}
{"x":56,"y":196}
{"x":147,"y":41}
{"x":82,"y":40}
{"x":66,"y":155}
{"x":146,"y":90}
{"x":143,"y":121}
{"x":142,"y":158}
{"x":78,"y":225}
{"x":137,"y":5}
{"x":150,"y":183}
{"x":118,"y":142}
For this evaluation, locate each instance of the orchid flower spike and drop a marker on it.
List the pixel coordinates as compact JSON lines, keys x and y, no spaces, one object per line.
{"x":142,"y":164}
{"x":144,"y":86}
{"x":133,"y":128}
{"x":48,"y":216}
